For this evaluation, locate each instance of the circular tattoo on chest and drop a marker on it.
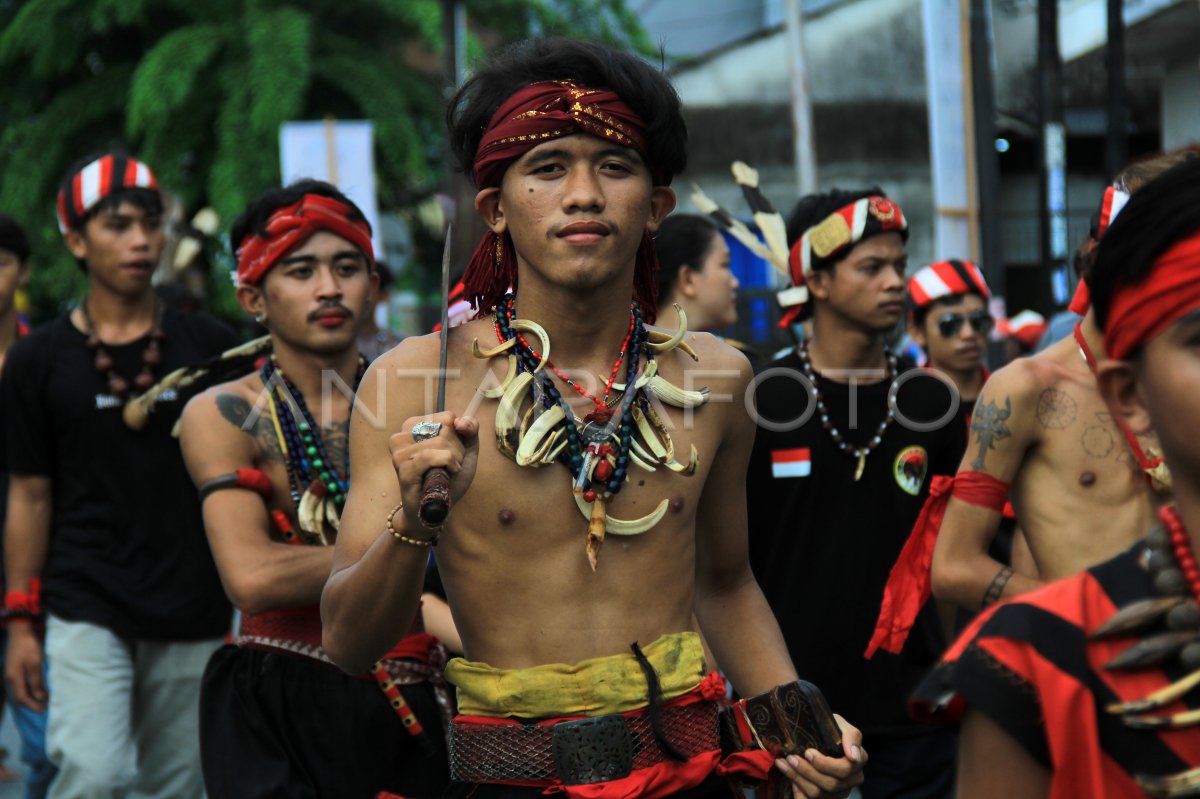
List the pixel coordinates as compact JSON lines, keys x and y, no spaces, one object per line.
{"x":1087,"y":479}
{"x":1056,"y":409}
{"x":506,"y":516}
{"x":1098,"y":441}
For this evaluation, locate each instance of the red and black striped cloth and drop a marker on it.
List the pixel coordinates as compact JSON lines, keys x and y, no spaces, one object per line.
{"x":1028,"y":665}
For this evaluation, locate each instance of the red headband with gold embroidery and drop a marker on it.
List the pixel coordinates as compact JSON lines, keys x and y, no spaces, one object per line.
{"x":291,"y":226}
{"x":536,"y":114}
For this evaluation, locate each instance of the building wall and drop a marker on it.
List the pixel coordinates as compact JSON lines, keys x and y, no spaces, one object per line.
{"x":1181,"y":107}
{"x":867,"y":78}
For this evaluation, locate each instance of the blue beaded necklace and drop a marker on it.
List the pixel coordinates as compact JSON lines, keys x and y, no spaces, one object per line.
{"x":308,"y":465}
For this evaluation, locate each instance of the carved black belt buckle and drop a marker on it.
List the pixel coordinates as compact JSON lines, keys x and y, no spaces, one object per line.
{"x":587,"y":751}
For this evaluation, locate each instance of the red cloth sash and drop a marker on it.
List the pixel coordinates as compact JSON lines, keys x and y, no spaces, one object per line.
{"x":536,"y":114}
{"x":303,"y":626}
{"x":910,"y":583}
{"x":291,"y":226}
{"x":1142,"y":311}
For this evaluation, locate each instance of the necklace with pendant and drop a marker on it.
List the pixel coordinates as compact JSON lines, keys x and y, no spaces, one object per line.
{"x":859,"y":453}
{"x":598,"y":450}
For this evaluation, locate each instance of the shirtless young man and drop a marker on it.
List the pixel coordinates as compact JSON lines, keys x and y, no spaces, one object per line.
{"x":1055,"y":689}
{"x":1081,"y":485}
{"x":572,"y":147}
{"x":275,"y":719}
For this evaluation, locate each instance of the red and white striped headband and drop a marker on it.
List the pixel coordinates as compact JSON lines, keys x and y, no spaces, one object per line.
{"x":946,"y":279}
{"x":1114,"y":201}
{"x":843,"y":229}
{"x":109,"y":173}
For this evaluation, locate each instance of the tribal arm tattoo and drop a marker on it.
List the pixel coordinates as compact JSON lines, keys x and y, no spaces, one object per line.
{"x":242,"y":415}
{"x":996,"y":589}
{"x":988,"y":427}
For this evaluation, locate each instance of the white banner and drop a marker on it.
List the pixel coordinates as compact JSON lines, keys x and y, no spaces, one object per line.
{"x":340,"y":152}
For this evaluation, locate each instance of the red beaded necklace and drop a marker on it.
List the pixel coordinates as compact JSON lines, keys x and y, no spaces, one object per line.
{"x":602,"y":413}
{"x":151,"y":356}
{"x":1182,"y":547}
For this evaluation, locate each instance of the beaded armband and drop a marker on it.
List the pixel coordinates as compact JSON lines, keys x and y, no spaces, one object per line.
{"x":22,"y":605}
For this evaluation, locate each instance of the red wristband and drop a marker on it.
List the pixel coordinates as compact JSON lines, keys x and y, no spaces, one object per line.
{"x":21,"y":604}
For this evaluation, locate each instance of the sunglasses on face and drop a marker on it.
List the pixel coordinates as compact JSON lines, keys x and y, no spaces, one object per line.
{"x":981,"y":322}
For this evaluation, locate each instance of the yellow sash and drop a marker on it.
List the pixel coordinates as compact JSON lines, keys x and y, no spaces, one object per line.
{"x":594,"y":687}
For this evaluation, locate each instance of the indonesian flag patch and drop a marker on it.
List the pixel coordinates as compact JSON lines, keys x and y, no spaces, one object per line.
{"x":791,"y":462}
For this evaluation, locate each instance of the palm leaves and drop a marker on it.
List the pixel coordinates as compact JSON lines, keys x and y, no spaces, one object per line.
{"x":199,"y":91}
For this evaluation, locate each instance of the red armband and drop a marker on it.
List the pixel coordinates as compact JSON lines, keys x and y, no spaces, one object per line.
{"x":251,"y":479}
{"x":981,"y":490}
{"x":910,"y":583}
{"x":24,"y":606}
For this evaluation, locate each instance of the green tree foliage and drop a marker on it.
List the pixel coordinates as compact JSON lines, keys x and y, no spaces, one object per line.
{"x":198,"y":90}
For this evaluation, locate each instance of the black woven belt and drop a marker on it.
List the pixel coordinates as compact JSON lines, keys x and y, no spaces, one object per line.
{"x":577,"y":752}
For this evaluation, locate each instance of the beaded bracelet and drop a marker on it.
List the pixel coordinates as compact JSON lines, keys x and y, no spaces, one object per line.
{"x":428,"y":542}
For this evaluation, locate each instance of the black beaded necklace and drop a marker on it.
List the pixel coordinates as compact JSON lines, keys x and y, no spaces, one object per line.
{"x":588,"y":447}
{"x":308,"y":465}
{"x":860,"y":453}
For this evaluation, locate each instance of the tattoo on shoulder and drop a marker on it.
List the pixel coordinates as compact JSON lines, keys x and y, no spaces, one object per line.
{"x":336,"y":438}
{"x":236,"y":411}
{"x":988,"y":427}
{"x":242,"y":415}
{"x":996,"y":589}
{"x":1056,"y":409}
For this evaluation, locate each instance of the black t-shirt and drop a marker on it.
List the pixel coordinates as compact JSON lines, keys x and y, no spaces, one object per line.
{"x":127,"y":547}
{"x":822,"y":545}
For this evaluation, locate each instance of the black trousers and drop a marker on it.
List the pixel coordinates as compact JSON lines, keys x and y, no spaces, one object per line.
{"x":912,"y":766}
{"x":276,"y":725}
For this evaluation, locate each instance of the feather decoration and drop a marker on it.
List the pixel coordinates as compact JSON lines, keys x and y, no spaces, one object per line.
{"x":769,"y":221}
{"x":736,"y":229}
{"x":232,"y":363}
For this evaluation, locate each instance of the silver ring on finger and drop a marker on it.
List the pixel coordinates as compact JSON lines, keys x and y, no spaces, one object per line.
{"x":425,"y":430}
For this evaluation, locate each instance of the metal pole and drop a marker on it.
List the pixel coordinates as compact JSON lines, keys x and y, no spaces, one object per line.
{"x":803,"y":135}
{"x":1052,"y":172}
{"x":467,"y":226}
{"x":1116,"y":151}
{"x":986,"y":162}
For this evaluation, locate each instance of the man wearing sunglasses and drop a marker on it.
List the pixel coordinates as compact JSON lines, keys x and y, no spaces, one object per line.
{"x":1083,"y":486}
{"x":949,"y":320}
